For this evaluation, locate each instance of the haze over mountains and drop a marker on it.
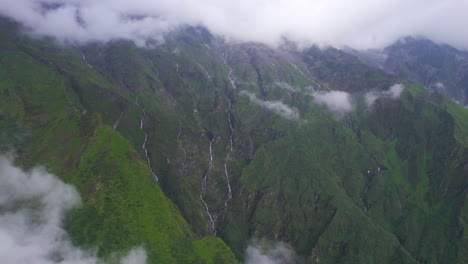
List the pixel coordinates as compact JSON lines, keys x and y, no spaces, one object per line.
{"x":361,"y":24}
{"x":440,"y":68}
{"x":189,"y":143}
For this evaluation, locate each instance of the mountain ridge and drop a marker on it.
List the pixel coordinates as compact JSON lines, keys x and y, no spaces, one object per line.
{"x":340,"y":187}
{"x":437,"y":67}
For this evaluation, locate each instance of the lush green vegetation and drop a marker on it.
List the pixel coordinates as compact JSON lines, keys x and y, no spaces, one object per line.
{"x":381,"y":184}
{"x":43,"y":121}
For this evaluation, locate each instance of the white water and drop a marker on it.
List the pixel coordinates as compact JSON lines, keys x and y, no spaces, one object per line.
{"x":297,"y":68}
{"x":208,"y":76}
{"x":203,"y":191}
{"x":305,"y":75}
{"x":116,"y":124}
{"x":230,"y":72}
{"x":228,"y":156}
{"x":231,"y":133}
{"x":84,"y":59}
{"x":144,"y":146}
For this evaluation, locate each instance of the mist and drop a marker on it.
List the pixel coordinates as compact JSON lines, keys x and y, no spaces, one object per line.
{"x":32,"y":207}
{"x":277,"y":107}
{"x":265,"y":252}
{"x":360,"y":24}
{"x":393,"y":92}
{"x":337,"y":102}
{"x":287,"y":87}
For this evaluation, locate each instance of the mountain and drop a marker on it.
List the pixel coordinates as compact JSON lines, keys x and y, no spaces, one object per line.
{"x":194,"y":148}
{"x":437,"y":67}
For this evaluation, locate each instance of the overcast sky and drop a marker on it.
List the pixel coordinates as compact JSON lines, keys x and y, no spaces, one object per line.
{"x":356,"y":23}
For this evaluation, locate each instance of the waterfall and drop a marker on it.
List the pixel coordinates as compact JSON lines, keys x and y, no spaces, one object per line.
{"x":144,"y":146}
{"x":203,"y":191}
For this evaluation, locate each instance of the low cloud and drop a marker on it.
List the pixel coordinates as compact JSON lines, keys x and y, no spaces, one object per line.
{"x":32,"y":207}
{"x":292,"y":89}
{"x":438,"y":86}
{"x":393,"y":92}
{"x":278,"y":107}
{"x":338,"y":102}
{"x":360,"y":24}
{"x":287,"y":87}
{"x":262,"y":252}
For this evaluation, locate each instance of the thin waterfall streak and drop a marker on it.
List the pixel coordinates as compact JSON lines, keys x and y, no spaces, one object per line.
{"x":231,"y":80}
{"x":228,"y":155}
{"x":203,"y":191}
{"x":144,"y":147}
{"x":116,"y":124}
{"x":84,"y":59}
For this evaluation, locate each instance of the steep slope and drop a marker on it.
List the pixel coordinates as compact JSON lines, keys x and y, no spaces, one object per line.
{"x":237,"y":139}
{"x":43,"y":121}
{"x":437,"y":67}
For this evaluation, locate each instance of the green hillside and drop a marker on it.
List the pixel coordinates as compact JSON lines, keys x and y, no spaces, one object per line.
{"x":240,"y":148}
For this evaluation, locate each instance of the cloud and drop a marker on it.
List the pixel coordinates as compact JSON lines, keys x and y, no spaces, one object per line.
{"x":32,"y":207}
{"x":135,"y":256}
{"x":356,"y":23}
{"x":287,"y":87}
{"x":278,"y":107}
{"x":262,"y":252}
{"x":294,"y":89}
{"x":393,"y":92}
{"x":338,"y":102}
{"x":438,"y":86}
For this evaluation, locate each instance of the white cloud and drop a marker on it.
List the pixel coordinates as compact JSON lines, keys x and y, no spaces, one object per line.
{"x":32,"y":207}
{"x":393,"y":92}
{"x":278,"y":107}
{"x":287,"y":87}
{"x":439,"y":85}
{"x":262,"y":252}
{"x":357,"y":23}
{"x":338,"y":102}
{"x":135,"y":256}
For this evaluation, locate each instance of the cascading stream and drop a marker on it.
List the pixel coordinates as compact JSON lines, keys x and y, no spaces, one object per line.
{"x":228,"y":155}
{"x":208,"y":76}
{"x":203,"y":191}
{"x":144,"y":146}
{"x":231,"y":133}
{"x":305,"y":75}
{"x":84,"y":59}
{"x":116,"y":124}
{"x":231,"y":80}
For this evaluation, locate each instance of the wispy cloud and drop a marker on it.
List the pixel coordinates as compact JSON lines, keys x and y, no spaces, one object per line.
{"x":32,"y":207}
{"x":287,"y":87}
{"x":356,"y":23}
{"x":263,"y":252}
{"x":278,"y":107}
{"x":338,"y":102}
{"x":393,"y":92}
